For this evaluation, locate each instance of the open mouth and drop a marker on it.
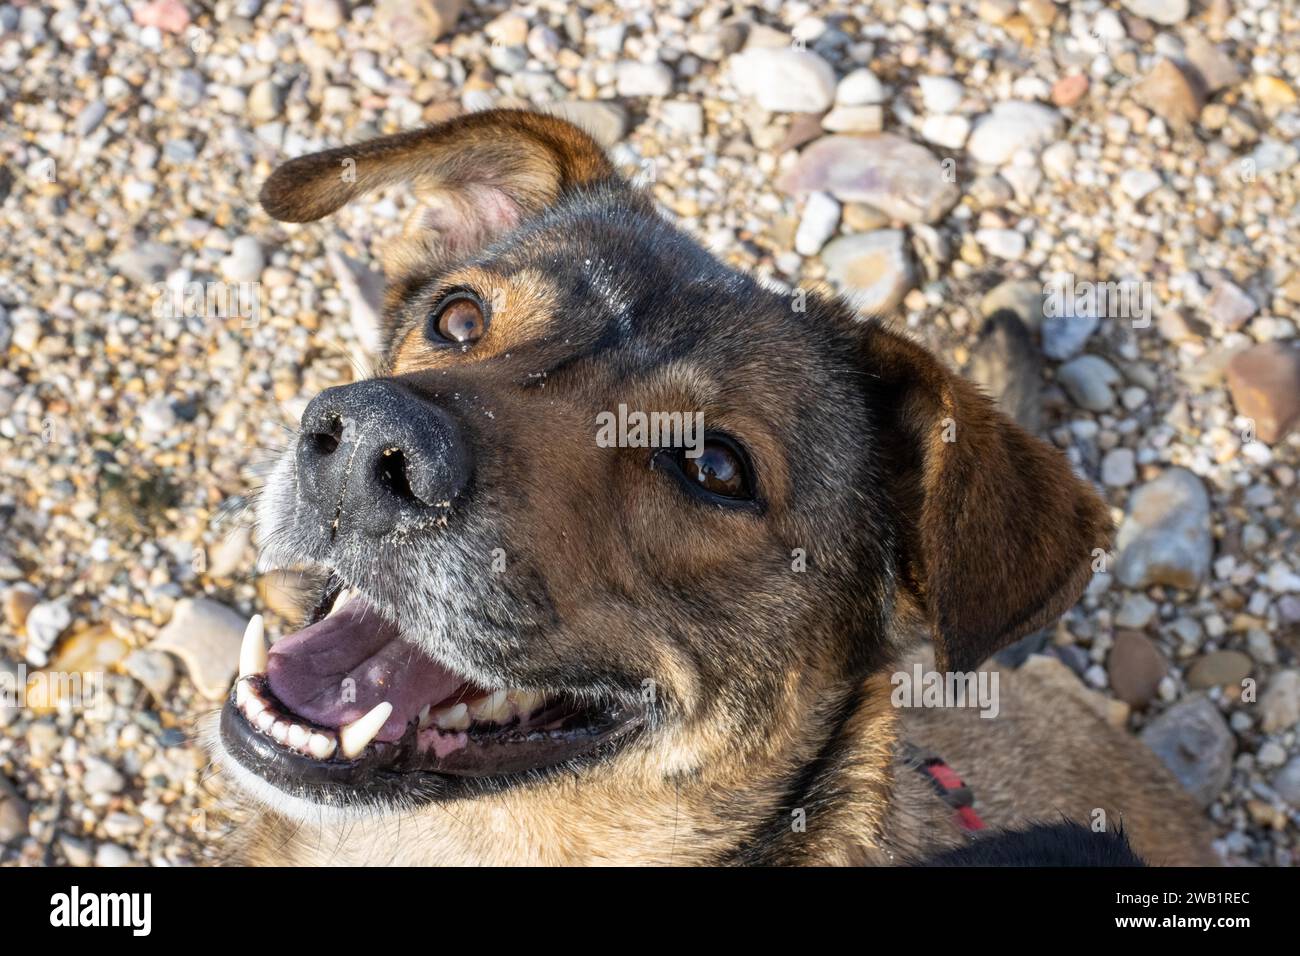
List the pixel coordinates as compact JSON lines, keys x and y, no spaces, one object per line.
{"x":347,"y":708}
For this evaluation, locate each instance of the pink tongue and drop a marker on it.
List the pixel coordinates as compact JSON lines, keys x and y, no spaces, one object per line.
{"x":338,"y":669}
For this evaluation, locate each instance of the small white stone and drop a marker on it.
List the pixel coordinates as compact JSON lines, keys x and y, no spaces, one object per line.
{"x":859,"y":88}
{"x":1138,"y":183}
{"x":947,"y":131}
{"x":940,"y":94}
{"x":1003,"y":243}
{"x":820,"y":217}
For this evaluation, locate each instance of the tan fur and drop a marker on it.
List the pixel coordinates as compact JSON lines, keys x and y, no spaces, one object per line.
{"x":772,"y":756}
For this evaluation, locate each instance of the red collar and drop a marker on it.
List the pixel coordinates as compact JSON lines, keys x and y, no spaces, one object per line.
{"x":952,"y":791}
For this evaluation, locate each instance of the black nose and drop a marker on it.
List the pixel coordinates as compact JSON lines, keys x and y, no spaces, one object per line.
{"x":377,"y":458}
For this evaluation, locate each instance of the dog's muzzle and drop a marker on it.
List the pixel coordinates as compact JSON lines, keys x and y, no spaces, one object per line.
{"x":375,"y":458}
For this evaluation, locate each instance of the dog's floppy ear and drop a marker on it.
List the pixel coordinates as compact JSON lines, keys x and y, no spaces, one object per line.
{"x":997,"y":532}
{"x":476,"y":175}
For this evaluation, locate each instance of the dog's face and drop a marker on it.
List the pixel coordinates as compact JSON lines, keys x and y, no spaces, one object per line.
{"x":523,"y":582}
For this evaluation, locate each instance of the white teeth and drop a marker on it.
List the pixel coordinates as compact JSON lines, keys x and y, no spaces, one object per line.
{"x":455,"y":717}
{"x":243,"y":693}
{"x":298,"y":737}
{"x":253,"y":706}
{"x":280,"y":731}
{"x":320,"y":746}
{"x":264,"y":721}
{"x":344,"y":597}
{"x":493,"y":706}
{"x":354,"y":737}
{"x":252,"y":653}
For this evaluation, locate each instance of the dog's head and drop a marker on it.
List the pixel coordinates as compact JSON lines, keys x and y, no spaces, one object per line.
{"x":612,"y":507}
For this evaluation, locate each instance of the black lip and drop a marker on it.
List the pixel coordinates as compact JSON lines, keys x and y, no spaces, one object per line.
{"x":384,"y":772}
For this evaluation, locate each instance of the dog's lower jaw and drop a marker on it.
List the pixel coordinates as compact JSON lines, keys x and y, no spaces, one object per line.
{"x":624,"y":812}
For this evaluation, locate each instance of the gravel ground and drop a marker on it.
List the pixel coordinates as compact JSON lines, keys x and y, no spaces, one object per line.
{"x":1091,"y":208}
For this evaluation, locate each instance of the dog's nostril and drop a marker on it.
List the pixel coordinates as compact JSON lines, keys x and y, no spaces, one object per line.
{"x":390,"y":472}
{"x":327,"y":442}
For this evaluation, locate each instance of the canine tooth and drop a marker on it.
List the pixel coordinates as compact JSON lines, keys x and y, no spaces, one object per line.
{"x":252,"y":653}
{"x":493,"y":706}
{"x":354,"y":737}
{"x":298,"y":736}
{"x":320,"y":746}
{"x":455,"y":717}
{"x":344,"y":596}
{"x":527,"y":701}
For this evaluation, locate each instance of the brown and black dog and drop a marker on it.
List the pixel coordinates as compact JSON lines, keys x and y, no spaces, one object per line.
{"x":532,"y":645}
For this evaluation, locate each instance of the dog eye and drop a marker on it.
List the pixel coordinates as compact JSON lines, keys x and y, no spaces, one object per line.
{"x":718,"y":470}
{"x":721,"y":470}
{"x":458,"y":320}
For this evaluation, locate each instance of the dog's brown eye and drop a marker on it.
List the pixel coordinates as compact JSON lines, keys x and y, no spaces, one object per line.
{"x":718,"y":470}
{"x":459,"y":321}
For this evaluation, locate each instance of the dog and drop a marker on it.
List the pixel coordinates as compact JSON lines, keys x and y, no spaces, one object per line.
{"x":529,"y":645}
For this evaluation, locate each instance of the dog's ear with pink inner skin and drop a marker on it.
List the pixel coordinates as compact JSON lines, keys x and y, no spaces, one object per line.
{"x":476,"y":176}
{"x":998,"y":534}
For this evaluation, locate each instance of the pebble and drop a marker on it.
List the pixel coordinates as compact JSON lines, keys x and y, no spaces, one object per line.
{"x":146,"y":263}
{"x":1003,"y":243}
{"x":1137,"y":184}
{"x":1119,"y":468}
{"x":1069,"y":90}
{"x":949,"y":132}
{"x":1220,"y":669}
{"x":45,"y":624}
{"x":854,"y":119}
{"x":644,"y":79}
{"x":169,"y":16}
{"x":1228,"y":306}
{"x":784,"y":79}
{"x":13,"y":813}
{"x":323,"y":14}
{"x":362,"y":291}
{"x":1065,"y":333}
{"x":205,"y":635}
{"x":859,"y":88}
{"x":1164,"y":12}
{"x":414,"y":25}
{"x":683,"y":117}
{"x":1287,"y":782}
{"x":821,"y":215}
{"x":1011,"y":126}
{"x":1088,"y":380}
{"x":101,"y":778}
{"x":153,"y":669}
{"x":1217,"y":70}
{"x":1171,"y":93}
{"x":1165,"y":536}
{"x":1135,"y":667}
{"x":112,"y":855}
{"x":1136,"y":612}
{"x":1264,"y":381}
{"x":245,"y":262}
{"x":900,"y":178}
{"x":872,"y":269}
{"x":1196,"y":744}
{"x":940,"y":94}
{"x":1280,"y":703}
